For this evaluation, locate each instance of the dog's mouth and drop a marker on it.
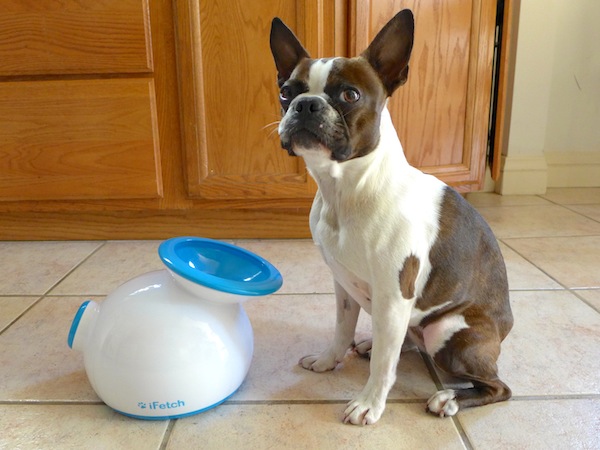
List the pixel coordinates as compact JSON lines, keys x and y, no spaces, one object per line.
{"x":305,"y":138}
{"x":316,"y":136}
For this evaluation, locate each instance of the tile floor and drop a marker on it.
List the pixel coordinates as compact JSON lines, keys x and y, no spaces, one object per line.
{"x":551,"y":359}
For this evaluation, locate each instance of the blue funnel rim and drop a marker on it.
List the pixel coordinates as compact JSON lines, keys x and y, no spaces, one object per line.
{"x":169,"y":252}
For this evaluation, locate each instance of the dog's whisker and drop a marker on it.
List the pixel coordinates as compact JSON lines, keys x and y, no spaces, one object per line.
{"x":276,"y":123}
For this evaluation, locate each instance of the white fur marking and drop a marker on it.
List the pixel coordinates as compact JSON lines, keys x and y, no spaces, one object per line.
{"x":317,"y":76}
{"x":336,"y":170}
{"x":436,"y":334}
{"x":417,"y":315}
{"x":443,"y":403}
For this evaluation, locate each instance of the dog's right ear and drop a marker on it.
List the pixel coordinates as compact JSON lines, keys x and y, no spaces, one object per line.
{"x":287,"y":50}
{"x":390,"y":51}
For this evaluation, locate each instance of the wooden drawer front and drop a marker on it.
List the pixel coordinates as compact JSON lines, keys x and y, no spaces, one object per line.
{"x":74,"y":36}
{"x":79,"y":139}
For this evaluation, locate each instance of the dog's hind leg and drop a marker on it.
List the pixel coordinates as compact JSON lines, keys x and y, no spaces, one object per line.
{"x":470,"y":354}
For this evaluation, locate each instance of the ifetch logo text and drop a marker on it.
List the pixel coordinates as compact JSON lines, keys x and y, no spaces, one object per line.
{"x":161,"y":405}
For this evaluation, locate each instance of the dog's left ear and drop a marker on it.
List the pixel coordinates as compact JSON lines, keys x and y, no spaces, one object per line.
{"x":287,"y":50}
{"x":390,"y":51}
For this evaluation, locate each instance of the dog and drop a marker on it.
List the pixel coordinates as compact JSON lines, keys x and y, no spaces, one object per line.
{"x":401,"y":244}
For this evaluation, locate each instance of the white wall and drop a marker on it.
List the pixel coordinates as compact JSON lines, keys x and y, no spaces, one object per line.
{"x":555,"y":123}
{"x":574,"y":114}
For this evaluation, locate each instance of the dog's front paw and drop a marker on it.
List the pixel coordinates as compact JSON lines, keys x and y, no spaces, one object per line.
{"x":363,"y":411}
{"x":319,"y":363}
{"x":363,"y":348}
{"x":443,"y":403}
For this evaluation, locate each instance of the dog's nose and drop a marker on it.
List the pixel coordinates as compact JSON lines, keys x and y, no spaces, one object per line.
{"x":309,"y":105}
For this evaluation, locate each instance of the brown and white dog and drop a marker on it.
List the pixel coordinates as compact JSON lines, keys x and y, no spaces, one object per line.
{"x":401,"y":244}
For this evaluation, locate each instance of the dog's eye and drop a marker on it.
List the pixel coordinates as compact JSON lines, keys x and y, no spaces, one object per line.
{"x":285,"y":94}
{"x":350,"y":95}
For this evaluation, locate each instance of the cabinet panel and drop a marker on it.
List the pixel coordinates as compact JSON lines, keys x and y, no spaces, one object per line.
{"x":74,"y":36}
{"x":442,"y":113}
{"x":79,"y":139}
{"x":230,"y":108}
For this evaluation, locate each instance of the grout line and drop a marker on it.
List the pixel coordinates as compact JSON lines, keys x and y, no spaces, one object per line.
{"x":52,"y":402}
{"x":461,"y":432}
{"x":408,"y":401}
{"x":45,"y":294}
{"x":431,"y":369}
{"x":532,"y":289}
{"x":167,"y":435}
{"x":429,"y":363}
{"x":18,"y":317}
{"x":575,"y":292}
{"x":75,"y":268}
{"x":520,"y":398}
{"x":86,"y":295}
{"x":564,"y":286}
{"x":566,"y":205}
{"x":537,"y":267}
{"x":276,"y":294}
{"x":289,"y":294}
{"x":548,"y":236}
{"x":296,"y":294}
{"x":581,"y":214}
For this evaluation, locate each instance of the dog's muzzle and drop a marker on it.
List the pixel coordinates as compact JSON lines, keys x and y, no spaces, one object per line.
{"x":312,"y":122}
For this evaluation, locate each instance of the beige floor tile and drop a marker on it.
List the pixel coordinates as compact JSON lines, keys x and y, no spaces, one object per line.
{"x":480,"y":199}
{"x":534,"y":424}
{"x":591,"y":211}
{"x":112,"y":265}
{"x":523,"y":275}
{"x":35,"y":360}
{"x":75,"y":427}
{"x":536,"y":221}
{"x":287,"y":327}
{"x":567,"y":196}
{"x":573,"y":261}
{"x":592,"y":296}
{"x":553,"y":348}
{"x":300,"y":264}
{"x":402,"y":426}
{"x":31,"y":268}
{"x":13,"y":307}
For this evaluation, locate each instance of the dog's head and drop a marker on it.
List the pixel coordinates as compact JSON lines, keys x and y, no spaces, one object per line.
{"x":334,"y":104}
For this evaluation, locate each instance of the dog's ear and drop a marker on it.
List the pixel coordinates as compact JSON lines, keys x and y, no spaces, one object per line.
{"x":287,"y":50}
{"x":390,"y":51}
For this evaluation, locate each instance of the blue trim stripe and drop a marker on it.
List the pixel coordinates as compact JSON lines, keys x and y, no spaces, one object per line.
{"x":75,"y":323}
{"x":176,"y":416}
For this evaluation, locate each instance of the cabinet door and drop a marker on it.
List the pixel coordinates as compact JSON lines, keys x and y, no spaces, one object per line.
{"x":442,"y":112}
{"x":229,"y":96}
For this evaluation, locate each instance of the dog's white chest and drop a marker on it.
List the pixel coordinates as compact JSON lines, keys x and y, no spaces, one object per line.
{"x":356,"y":287}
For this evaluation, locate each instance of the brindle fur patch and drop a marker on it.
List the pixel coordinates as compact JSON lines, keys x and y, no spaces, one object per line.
{"x":408,"y":276}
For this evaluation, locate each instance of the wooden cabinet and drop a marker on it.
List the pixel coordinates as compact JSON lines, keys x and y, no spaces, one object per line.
{"x":152,"y":118}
